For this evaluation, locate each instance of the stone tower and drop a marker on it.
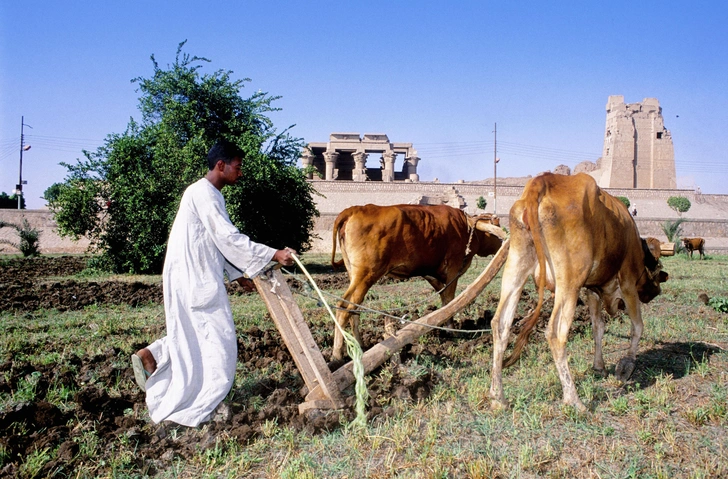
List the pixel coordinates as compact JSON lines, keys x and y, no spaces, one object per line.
{"x":638,"y":151}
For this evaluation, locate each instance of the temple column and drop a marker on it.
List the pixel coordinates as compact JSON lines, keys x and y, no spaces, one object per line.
{"x":388,"y":167}
{"x":307,"y":161}
{"x":330,"y":158}
{"x":412,"y":168}
{"x":360,"y":172}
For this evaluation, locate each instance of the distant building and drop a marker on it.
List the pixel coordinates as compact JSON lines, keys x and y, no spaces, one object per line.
{"x":638,"y":150}
{"x":345,"y":155}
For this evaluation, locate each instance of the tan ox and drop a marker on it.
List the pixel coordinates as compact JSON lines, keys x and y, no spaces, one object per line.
{"x":404,"y":241}
{"x":568,"y":233}
{"x":694,"y":244}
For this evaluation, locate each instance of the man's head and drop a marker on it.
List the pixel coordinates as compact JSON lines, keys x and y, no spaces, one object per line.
{"x":223,"y":151}
{"x":224,"y":162}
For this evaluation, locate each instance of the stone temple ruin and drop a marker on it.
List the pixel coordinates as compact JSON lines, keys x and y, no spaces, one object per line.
{"x":638,"y":150}
{"x":345,"y":155}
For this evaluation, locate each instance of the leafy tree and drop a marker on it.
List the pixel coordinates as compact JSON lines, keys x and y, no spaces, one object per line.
{"x":10,"y":202}
{"x":29,"y":237}
{"x":481,"y":203}
{"x":679,"y":203}
{"x":124,"y":196}
{"x":624,"y":200}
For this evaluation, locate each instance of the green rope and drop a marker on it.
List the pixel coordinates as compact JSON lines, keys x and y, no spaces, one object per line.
{"x":355,"y":353}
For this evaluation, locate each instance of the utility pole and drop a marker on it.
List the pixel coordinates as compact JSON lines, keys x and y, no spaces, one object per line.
{"x":23,"y":147}
{"x":495,"y":162}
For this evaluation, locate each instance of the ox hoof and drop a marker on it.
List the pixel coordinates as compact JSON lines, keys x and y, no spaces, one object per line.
{"x":335,"y":364}
{"x":601,"y":372}
{"x":577,"y":405}
{"x":624,"y":369}
{"x":498,"y":405}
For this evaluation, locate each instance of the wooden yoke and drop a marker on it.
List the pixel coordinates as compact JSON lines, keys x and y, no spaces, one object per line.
{"x":325,"y":394}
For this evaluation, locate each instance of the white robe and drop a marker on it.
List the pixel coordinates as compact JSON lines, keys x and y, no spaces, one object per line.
{"x":196,"y":361}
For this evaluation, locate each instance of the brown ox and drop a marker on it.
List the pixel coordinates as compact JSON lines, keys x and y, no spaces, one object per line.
{"x":403,"y":241}
{"x":568,"y":233}
{"x":694,"y":244}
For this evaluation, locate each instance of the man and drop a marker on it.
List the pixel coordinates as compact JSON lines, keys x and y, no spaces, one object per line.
{"x":188,"y":373}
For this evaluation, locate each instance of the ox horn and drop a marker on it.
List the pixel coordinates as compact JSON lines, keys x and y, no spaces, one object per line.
{"x":492,"y":229}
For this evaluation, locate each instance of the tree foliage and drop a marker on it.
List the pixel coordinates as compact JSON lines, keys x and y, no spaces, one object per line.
{"x":624,"y":200}
{"x":481,"y":203}
{"x":124,"y":196}
{"x":11,"y":201}
{"x":679,"y":203}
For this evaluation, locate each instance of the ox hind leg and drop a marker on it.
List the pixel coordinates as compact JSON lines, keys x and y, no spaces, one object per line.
{"x":557,"y":334}
{"x":597,"y":320}
{"x":625,"y":366}
{"x":347,"y":314}
{"x":516,"y":271}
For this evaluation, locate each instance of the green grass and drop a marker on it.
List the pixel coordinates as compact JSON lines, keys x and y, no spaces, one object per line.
{"x":669,"y":422}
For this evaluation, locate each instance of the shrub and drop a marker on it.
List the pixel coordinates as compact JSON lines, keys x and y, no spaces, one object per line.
{"x":719,"y":304}
{"x":29,"y":237}
{"x":624,"y":200}
{"x":673,"y":231}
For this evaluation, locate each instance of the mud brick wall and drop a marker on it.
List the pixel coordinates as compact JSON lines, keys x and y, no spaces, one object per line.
{"x":42,"y":220}
{"x":707,"y":217}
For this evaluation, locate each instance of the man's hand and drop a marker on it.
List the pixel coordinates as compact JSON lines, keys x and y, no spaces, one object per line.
{"x":284,"y":256}
{"x":247,"y":284}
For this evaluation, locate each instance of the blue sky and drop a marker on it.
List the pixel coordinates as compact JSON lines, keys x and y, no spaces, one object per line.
{"x":436,"y":74}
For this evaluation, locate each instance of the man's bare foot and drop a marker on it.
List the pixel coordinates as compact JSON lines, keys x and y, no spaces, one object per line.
{"x":148,"y":361}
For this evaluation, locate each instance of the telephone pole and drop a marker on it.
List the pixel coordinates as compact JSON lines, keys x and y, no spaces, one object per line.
{"x":495,"y":162}
{"x":23,"y":147}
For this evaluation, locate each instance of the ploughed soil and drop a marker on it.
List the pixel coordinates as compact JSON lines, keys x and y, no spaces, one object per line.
{"x":105,"y":405}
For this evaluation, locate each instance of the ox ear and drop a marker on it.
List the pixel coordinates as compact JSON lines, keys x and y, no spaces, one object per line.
{"x":492,"y":229}
{"x":651,"y":260}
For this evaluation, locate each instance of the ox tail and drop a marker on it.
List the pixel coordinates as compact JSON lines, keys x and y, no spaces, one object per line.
{"x":531,"y":221}
{"x":338,"y":224}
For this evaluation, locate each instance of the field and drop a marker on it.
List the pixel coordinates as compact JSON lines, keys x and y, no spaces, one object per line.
{"x":69,"y":406}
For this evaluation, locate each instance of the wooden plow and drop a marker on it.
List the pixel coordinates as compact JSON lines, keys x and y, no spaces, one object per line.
{"x":325,"y":386}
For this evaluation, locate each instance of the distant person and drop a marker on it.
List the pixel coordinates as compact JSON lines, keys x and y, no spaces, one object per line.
{"x":188,"y":373}
{"x":634,"y":210}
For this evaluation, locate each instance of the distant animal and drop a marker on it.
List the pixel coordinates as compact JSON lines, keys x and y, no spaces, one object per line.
{"x":694,"y":244}
{"x":436,"y":242}
{"x":568,"y":233}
